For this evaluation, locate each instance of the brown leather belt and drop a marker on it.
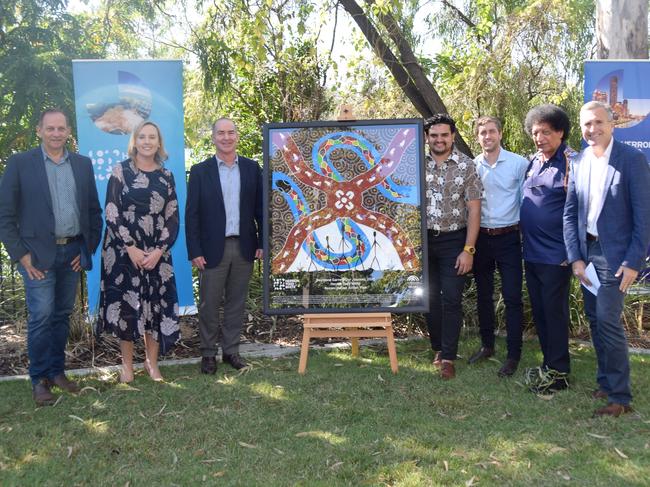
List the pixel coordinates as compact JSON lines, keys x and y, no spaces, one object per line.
{"x":67,"y":240}
{"x":592,"y":238}
{"x":500,"y":230}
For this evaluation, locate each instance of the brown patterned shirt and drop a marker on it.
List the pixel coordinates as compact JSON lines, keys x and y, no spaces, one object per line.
{"x":448,"y":188}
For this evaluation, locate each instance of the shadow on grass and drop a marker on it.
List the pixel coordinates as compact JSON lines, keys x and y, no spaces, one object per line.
{"x":346,"y":422}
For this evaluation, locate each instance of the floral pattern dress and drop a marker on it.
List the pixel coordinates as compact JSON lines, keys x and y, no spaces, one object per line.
{"x":140,"y":207}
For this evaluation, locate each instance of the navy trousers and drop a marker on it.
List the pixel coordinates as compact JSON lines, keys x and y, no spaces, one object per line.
{"x":548,"y":289}
{"x":502,"y":252}
{"x":607,"y":333}
{"x":445,"y":317}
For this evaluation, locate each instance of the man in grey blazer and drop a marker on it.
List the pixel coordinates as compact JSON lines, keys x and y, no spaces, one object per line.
{"x":607,"y":224}
{"x":50,"y":222}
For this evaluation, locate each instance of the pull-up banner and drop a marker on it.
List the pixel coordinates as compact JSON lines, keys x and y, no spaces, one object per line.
{"x":112,"y":98}
{"x":624,"y":86}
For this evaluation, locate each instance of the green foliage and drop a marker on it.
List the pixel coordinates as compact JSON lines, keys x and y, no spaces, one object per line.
{"x":501,"y":57}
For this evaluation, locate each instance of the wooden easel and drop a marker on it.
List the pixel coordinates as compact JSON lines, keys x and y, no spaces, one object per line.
{"x":347,"y":325}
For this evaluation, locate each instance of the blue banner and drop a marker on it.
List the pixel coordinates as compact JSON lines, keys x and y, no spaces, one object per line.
{"x":112,"y":98}
{"x":624,"y":86}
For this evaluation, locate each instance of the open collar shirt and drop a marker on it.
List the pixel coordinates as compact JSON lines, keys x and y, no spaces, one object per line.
{"x":502,"y":184}
{"x":230,"y":179}
{"x":597,"y":175}
{"x":448,"y":188}
{"x":63,"y":191}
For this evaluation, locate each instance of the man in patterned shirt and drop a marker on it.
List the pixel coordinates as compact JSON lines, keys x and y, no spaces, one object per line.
{"x":453,"y":194}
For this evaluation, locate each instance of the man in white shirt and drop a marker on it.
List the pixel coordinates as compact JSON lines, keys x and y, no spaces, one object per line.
{"x":607,"y":224}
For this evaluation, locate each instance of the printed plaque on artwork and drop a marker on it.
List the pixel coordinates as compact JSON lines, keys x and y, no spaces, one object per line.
{"x":344,"y":226}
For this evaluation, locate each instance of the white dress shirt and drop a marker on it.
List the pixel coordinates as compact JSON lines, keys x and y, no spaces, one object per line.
{"x":597,"y":175}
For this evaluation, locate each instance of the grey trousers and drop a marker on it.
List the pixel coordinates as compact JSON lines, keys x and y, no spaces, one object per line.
{"x":228,"y":284}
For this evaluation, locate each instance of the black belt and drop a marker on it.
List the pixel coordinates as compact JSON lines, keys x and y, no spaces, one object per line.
{"x":500,"y":230}
{"x":67,"y":240}
{"x":232,"y":237}
{"x":438,"y":233}
{"x":592,"y":238}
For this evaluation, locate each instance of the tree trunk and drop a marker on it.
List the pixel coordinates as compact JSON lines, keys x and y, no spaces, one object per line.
{"x":407,"y":71}
{"x":622,"y":29}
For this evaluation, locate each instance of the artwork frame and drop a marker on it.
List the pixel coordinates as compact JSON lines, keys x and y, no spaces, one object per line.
{"x":344,"y":217}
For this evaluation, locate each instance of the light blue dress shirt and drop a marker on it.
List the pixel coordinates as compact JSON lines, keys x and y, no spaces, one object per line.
{"x":230,"y":188}
{"x":502,"y":188}
{"x":63,"y":191}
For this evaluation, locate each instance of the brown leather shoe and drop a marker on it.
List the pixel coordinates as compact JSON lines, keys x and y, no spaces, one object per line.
{"x":235,"y":361}
{"x":509,"y":368}
{"x":447,"y":370}
{"x":42,"y":394}
{"x":613,"y":409}
{"x":437,"y":360}
{"x":208,"y":365}
{"x":598,"y":394}
{"x":62,"y":382}
{"x":482,"y":354}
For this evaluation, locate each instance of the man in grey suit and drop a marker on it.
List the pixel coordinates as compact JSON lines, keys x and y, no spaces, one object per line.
{"x":223,"y":227}
{"x":607,"y":224}
{"x":50,"y":222}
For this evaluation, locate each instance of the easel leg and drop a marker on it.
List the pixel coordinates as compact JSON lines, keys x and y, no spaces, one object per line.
{"x":304,"y":351}
{"x":392,"y":353}
{"x":355,"y":347}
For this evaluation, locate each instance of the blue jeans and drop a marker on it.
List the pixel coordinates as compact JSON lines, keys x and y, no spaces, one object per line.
{"x":49,"y":304}
{"x":607,"y":333}
{"x":502,"y":252}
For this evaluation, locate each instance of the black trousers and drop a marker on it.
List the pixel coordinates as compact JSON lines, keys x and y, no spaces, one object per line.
{"x":548,"y":288}
{"x":502,"y":252}
{"x":445,"y":317}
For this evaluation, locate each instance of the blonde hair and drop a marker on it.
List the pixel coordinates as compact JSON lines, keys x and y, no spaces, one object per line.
{"x":161,"y":154}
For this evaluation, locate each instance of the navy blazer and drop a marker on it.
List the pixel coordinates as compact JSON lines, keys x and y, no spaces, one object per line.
{"x":624,"y":218}
{"x":26,"y":215}
{"x":205,"y":213}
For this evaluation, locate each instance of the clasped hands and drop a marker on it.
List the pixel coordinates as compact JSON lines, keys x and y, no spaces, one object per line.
{"x":144,"y":260}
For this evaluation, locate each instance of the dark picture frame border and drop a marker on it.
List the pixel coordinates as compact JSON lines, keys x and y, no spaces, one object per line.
{"x":335,"y":124}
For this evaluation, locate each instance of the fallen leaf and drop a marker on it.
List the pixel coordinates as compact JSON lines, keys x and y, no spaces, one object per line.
{"x":545,"y":397}
{"x":75,"y":417}
{"x":446,"y":464}
{"x":563,"y":475}
{"x":304,"y":433}
{"x":336,"y":465}
{"x":338,"y":365}
{"x":381,"y":379}
{"x":69,"y":451}
{"x":280,"y":452}
{"x":598,"y":436}
{"x":89,"y":388}
{"x":557,"y":449}
{"x":506,"y":415}
{"x":175,"y":459}
{"x":246,"y":445}
{"x":620,"y":453}
{"x":220,"y":473}
{"x":470,"y":482}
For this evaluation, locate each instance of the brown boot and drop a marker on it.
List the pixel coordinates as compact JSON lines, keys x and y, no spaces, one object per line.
{"x":64,"y":383}
{"x":613,"y":409}
{"x":447,"y":370}
{"x":42,"y":394}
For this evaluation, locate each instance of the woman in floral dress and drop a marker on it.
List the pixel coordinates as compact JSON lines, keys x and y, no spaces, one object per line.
{"x":138,"y":289}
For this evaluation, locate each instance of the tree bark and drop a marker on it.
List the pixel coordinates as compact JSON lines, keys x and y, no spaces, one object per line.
{"x":622,"y":29}
{"x":407,"y":70}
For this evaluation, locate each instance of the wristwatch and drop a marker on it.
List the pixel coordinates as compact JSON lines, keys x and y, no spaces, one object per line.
{"x":469,"y":249}
{"x":130,"y":243}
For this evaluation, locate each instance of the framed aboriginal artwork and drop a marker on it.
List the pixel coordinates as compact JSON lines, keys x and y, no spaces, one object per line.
{"x":344,"y":217}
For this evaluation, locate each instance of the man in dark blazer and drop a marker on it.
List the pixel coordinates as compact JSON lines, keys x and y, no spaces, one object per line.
{"x":607,"y":224}
{"x":50,"y":222}
{"x":223,"y":227}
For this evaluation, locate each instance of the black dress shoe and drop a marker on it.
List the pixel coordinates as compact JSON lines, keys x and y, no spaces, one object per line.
{"x":509,"y":368}
{"x":42,"y":394}
{"x":482,"y":354}
{"x":235,"y":360}
{"x":208,"y":365}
